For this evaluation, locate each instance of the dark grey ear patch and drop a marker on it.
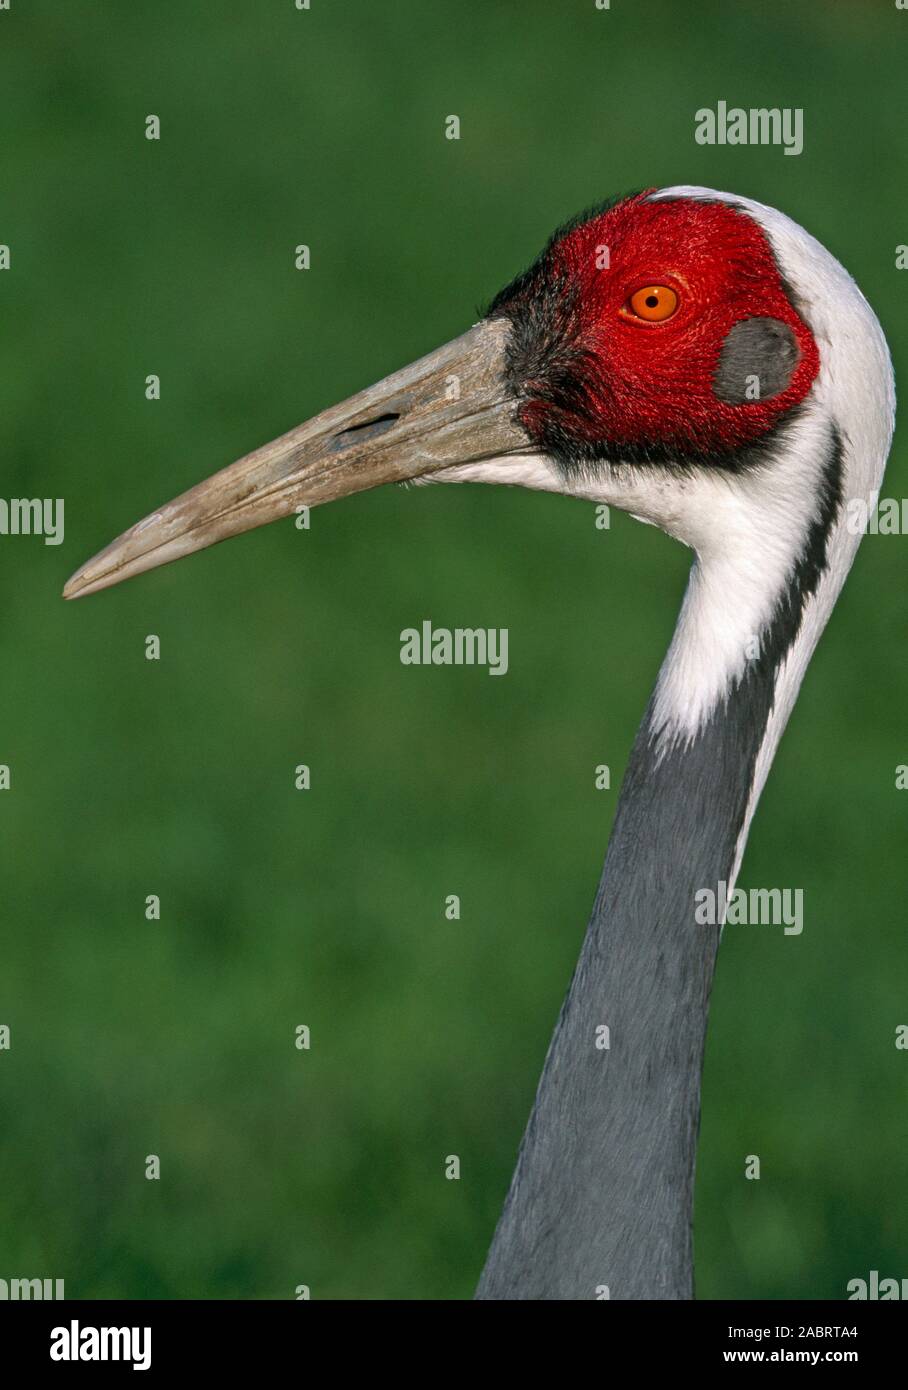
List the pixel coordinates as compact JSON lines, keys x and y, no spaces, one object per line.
{"x":757,"y":360}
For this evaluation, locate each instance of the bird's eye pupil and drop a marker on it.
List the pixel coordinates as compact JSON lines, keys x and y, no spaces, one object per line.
{"x":652,"y":300}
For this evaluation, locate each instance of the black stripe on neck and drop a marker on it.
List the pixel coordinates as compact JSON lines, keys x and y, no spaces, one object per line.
{"x":785,"y":623}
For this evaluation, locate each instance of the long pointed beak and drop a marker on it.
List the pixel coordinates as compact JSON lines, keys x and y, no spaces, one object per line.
{"x":449,"y":408}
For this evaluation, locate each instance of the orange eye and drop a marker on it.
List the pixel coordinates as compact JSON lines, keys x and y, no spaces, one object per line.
{"x":653,"y":303}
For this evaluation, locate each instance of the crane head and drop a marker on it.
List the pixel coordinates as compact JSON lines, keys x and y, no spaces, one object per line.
{"x":653,"y":356}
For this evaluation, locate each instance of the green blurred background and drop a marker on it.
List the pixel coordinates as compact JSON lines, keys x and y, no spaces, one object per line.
{"x":282,"y":1167}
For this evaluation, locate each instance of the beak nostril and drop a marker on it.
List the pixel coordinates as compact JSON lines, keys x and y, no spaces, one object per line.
{"x":357,"y":434}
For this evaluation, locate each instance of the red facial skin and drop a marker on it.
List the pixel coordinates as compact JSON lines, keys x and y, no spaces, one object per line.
{"x":645,"y":384}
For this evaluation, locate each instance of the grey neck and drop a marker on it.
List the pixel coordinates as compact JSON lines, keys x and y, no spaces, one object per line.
{"x":602,"y":1195}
